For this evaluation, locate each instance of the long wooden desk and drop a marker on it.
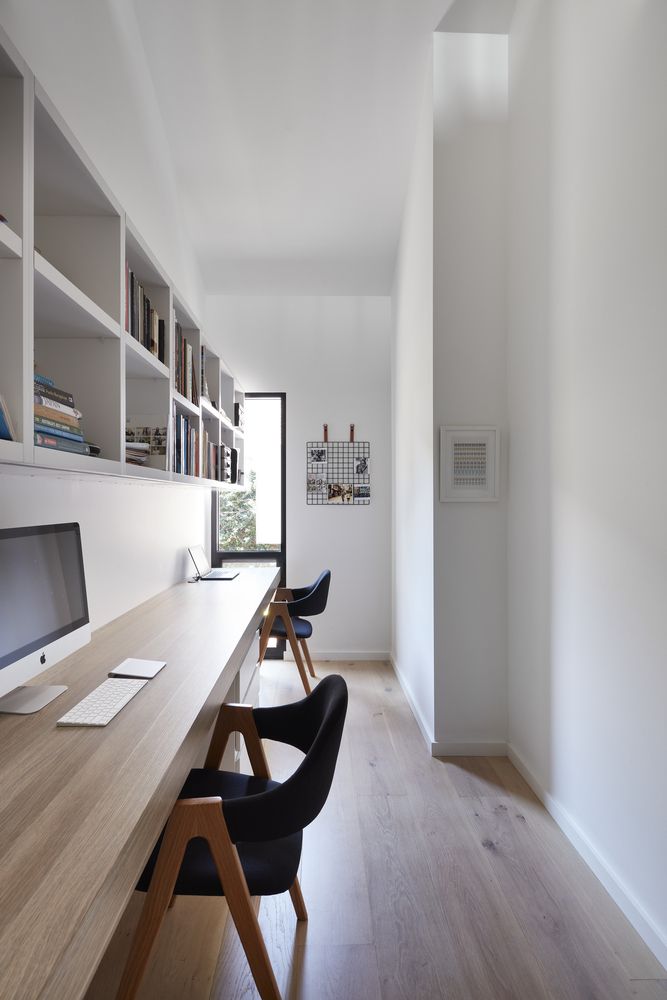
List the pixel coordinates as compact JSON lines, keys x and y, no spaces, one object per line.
{"x":80,"y":809}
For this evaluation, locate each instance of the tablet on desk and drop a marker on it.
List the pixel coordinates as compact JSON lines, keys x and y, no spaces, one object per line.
{"x":138,"y":668}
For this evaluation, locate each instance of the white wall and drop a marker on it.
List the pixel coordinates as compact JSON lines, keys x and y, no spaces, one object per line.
{"x":90,"y":60}
{"x":134,"y":535}
{"x":588,"y":408}
{"x":412,"y":430}
{"x":470,"y":383}
{"x":331,"y":357}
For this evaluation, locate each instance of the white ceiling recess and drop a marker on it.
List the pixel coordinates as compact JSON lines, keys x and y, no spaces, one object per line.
{"x":291,"y":125}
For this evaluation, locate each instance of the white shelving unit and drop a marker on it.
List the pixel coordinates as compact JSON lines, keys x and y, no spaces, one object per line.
{"x":14,"y":157}
{"x":66,"y":252}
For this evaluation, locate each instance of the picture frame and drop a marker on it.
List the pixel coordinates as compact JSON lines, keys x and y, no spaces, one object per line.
{"x":469,"y":464}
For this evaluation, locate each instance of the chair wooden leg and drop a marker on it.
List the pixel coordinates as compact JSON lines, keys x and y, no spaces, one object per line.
{"x":294,"y":644}
{"x":241,"y":908}
{"x":297,"y":901}
{"x":265,"y":634}
{"x":158,"y":899}
{"x":311,"y":668}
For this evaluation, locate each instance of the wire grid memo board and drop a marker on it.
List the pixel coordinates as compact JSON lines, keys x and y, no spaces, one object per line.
{"x":338,"y":472}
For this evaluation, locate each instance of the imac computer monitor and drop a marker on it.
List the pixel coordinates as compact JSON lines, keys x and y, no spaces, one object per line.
{"x":43,"y":609}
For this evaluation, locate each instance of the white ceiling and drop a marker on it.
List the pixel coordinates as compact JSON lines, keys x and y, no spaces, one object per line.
{"x":291,"y":125}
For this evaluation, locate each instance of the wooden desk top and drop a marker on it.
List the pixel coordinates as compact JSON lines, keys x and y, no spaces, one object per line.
{"x":80,"y":809}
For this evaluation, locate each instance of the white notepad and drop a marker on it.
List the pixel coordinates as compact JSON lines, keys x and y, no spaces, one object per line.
{"x":138,"y":668}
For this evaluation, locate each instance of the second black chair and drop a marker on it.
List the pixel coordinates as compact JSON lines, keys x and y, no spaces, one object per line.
{"x":287,"y":618}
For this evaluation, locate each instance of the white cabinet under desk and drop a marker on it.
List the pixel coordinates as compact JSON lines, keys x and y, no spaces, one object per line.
{"x":82,"y":808}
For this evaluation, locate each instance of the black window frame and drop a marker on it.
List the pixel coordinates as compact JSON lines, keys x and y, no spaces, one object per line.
{"x":280,"y":558}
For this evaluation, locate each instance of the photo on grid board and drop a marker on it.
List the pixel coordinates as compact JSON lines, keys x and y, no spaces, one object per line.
{"x":317,"y":456}
{"x":340,"y":493}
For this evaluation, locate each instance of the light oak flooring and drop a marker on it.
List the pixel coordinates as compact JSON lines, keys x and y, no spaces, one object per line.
{"x":424,"y":879}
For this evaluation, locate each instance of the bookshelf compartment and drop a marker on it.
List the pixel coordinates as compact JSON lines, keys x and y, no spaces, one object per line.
{"x":90,"y":371}
{"x":186,"y":444}
{"x":227,"y":396}
{"x":11,"y":152}
{"x":147,"y":300}
{"x":147,"y":423}
{"x":186,"y":356}
{"x":63,"y":310}
{"x":77,"y":224}
{"x":11,"y":344}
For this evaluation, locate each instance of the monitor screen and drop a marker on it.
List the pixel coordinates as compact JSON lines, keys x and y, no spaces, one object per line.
{"x":42,"y":588}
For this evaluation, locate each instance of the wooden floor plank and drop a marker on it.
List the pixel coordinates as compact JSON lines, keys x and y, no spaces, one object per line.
{"x":635,"y":956}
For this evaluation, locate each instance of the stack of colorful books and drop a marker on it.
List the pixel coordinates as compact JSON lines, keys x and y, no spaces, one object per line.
{"x":57,"y":421}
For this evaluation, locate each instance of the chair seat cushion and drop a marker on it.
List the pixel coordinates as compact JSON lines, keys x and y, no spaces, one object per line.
{"x":270,"y":867}
{"x":302,"y":628}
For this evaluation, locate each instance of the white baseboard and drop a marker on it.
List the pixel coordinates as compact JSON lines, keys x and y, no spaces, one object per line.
{"x":343,"y":654}
{"x":425,"y":731}
{"x":469,"y":748}
{"x":619,"y":892}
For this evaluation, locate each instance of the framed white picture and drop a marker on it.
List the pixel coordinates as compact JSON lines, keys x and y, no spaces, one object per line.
{"x":469,"y":463}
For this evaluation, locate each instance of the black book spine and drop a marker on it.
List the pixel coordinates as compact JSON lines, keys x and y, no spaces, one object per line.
{"x":160,"y":341}
{"x":57,"y":395}
{"x":133,"y":325}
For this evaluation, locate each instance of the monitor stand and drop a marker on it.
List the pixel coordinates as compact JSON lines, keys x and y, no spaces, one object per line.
{"x":26,"y":700}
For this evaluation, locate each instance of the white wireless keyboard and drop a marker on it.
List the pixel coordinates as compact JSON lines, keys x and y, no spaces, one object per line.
{"x":101,"y":705}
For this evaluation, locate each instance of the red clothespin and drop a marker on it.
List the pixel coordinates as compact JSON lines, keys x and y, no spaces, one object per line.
{"x":326,"y":433}
{"x":351,"y":433}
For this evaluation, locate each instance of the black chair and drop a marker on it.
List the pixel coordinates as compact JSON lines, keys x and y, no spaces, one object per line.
{"x":239,"y":835}
{"x":287,"y":618}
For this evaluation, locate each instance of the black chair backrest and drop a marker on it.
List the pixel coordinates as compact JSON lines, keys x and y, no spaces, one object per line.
{"x":313,"y":725}
{"x":311,"y":601}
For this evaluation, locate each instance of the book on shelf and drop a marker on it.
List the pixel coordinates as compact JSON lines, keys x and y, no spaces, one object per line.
{"x":43,"y":379}
{"x":202,"y":377}
{"x":54,"y":394}
{"x":7,"y":432}
{"x":45,"y":440}
{"x":56,"y":425}
{"x":186,"y":446}
{"x":188,"y":370}
{"x":66,"y":420}
{"x":62,"y":408}
{"x":57,"y":431}
{"x":185,"y":375}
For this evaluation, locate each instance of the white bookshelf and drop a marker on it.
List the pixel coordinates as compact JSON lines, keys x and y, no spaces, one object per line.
{"x":67,"y":249}
{"x":14,"y":156}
